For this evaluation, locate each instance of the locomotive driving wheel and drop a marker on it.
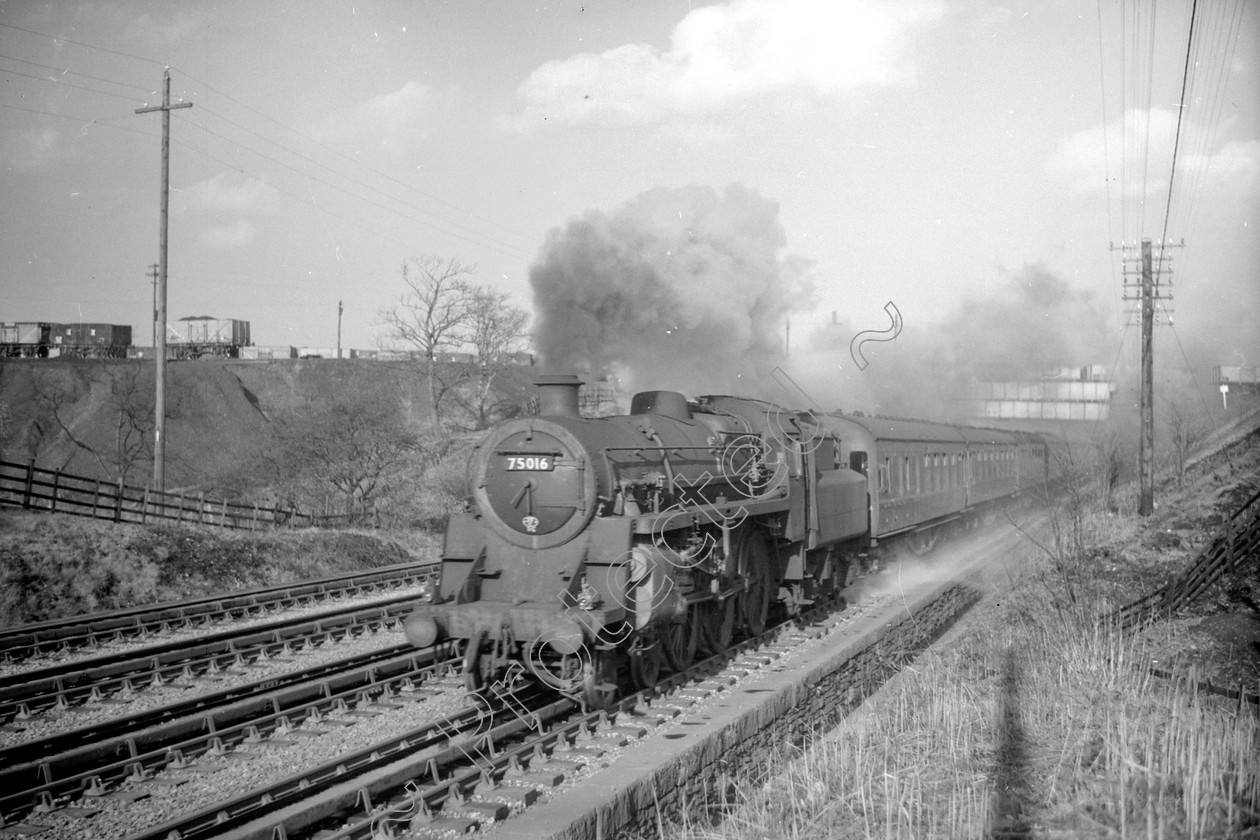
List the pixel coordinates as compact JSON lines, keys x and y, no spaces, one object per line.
{"x":645,"y":663}
{"x":680,"y":638}
{"x":715,"y":621}
{"x":753,"y":562}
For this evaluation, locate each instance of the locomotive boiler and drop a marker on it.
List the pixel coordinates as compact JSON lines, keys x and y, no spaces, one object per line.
{"x":635,"y":541}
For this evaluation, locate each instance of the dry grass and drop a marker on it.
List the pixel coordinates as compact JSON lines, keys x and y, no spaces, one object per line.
{"x":1033,"y":720}
{"x":53,"y":566}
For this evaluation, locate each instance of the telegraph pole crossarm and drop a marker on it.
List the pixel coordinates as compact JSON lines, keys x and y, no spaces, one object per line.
{"x":159,"y":350}
{"x":1148,"y":290}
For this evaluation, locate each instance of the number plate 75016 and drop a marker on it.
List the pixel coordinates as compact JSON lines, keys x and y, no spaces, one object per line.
{"x":532,"y":463}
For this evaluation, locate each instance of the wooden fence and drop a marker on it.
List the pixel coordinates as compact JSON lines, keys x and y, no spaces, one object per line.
{"x":1236,"y":541}
{"x":32,"y":488}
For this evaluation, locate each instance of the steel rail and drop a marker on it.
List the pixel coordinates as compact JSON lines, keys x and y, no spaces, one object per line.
{"x":60,"y":686}
{"x":388,"y":804}
{"x":21,"y":641}
{"x":98,"y":769}
{"x":225,"y":815}
{"x":94,"y":737}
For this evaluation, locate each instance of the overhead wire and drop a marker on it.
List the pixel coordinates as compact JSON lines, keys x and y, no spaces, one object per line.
{"x":62,"y":83}
{"x":483,"y":239}
{"x":471,"y":235}
{"x":1181,"y":110}
{"x":1210,"y":41}
{"x":108,"y":122}
{"x":67,"y":72}
{"x":348,"y":158}
{"x":270,"y":183}
{"x":84,"y":44}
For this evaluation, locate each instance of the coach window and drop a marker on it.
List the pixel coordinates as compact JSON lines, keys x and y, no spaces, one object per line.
{"x":884,"y":487}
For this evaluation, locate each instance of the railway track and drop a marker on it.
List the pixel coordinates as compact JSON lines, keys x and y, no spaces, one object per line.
{"x":367,"y":747}
{"x":61,"y":686}
{"x":71,"y":778}
{"x":28,"y":640}
{"x":450,"y":775}
{"x":44,"y":774}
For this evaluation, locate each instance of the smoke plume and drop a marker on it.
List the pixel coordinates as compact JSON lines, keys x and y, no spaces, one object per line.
{"x":679,"y":288}
{"x":1025,"y":325}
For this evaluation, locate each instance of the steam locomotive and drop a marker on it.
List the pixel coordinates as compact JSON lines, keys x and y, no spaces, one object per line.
{"x":592,"y":547}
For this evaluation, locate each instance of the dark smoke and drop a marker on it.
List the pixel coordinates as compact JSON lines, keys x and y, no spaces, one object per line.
{"x":680,"y":288}
{"x":1030,"y":324}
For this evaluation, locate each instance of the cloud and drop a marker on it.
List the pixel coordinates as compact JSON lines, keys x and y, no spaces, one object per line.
{"x":1238,"y":160}
{"x":393,"y":121}
{"x":722,"y":55}
{"x":226,"y":194}
{"x":1139,"y":146}
{"x":227,"y":237}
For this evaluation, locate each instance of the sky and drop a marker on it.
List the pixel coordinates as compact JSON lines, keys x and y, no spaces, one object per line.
{"x":659,"y":183}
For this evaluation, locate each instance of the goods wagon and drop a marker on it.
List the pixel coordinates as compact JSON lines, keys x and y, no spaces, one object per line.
{"x":201,"y":335}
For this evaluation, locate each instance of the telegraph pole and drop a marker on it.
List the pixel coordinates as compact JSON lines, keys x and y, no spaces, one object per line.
{"x":340,"y":309}
{"x":153,"y":274}
{"x":1146,"y":441}
{"x":159,"y":347}
{"x":1147,"y":291}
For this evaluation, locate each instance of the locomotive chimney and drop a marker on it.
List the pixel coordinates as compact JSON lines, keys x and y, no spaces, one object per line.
{"x":558,"y":395}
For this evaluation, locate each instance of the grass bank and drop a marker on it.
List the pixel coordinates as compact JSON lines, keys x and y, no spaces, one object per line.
{"x":1032,"y":719}
{"x":56,"y":566}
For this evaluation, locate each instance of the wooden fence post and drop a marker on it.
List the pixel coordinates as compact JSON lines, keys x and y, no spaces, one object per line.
{"x":1229,"y":541}
{"x":144,"y":507}
{"x":52,"y":506}
{"x":30,"y":484}
{"x":118,"y":500}
{"x":96,"y":497}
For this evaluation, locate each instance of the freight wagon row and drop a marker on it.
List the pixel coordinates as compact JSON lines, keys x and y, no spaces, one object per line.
{"x":194,"y":337}
{"x":41,"y":340}
{"x":188,"y":338}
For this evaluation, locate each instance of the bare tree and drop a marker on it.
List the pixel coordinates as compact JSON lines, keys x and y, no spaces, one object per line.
{"x":498,"y":330}
{"x":128,"y":402}
{"x":434,"y":315}
{"x":1111,"y":453}
{"x":353,"y":442}
{"x":1185,"y":429}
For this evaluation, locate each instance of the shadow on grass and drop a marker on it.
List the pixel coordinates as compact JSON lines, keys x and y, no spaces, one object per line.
{"x":1011,"y":769}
